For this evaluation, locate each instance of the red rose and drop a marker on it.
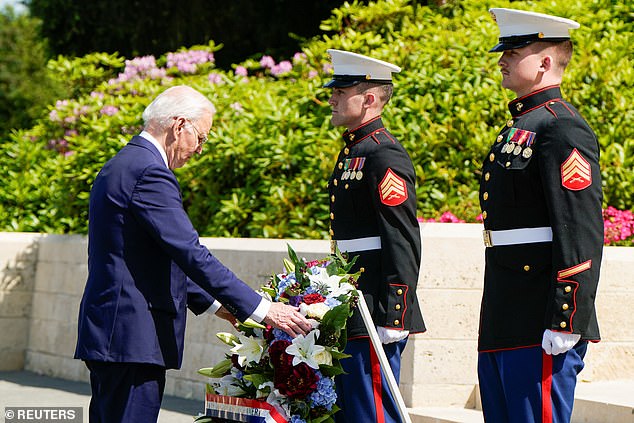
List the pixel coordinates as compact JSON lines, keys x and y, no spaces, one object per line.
{"x":314,"y":298}
{"x":300,"y":382}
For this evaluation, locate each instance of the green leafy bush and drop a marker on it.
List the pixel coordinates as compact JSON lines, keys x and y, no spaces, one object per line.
{"x":272,"y":148}
{"x":25,"y":89}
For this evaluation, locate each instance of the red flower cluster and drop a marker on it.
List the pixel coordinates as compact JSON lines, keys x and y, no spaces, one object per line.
{"x":293,"y":381}
{"x":313,"y":298}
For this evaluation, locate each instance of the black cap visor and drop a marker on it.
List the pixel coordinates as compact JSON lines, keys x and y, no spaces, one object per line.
{"x":501,"y":46}
{"x":343,"y":81}
{"x":519,"y":41}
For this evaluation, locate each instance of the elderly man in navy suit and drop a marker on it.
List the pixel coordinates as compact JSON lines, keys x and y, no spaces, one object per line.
{"x":146,"y":265}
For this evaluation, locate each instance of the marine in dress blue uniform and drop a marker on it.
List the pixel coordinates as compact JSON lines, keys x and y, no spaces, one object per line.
{"x":373,"y":216}
{"x":541,"y":200}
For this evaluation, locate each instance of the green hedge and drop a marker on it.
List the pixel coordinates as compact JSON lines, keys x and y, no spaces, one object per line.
{"x":272,"y":149}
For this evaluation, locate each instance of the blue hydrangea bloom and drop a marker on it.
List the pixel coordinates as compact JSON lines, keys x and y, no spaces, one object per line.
{"x":310,"y":290}
{"x":332,"y":302}
{"x":280,"y":335}
{"x":324,"y":395}
{"x":296,"y":419}
{"x":285,"y":282}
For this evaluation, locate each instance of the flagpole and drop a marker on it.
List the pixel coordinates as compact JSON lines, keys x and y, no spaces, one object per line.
{"x":385,"y":364}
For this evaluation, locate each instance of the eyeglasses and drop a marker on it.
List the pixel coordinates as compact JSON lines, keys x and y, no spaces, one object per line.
{"x":202,"y":138}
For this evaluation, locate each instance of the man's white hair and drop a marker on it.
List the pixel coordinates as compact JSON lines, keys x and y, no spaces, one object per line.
{"x":180,"y":100}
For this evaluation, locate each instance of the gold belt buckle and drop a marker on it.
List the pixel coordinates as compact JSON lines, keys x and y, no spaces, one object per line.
{"x":486,"y":234}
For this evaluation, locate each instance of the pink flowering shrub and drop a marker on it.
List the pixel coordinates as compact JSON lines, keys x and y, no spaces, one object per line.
{"x":139,"y":68}
{"x":446,"y":217}
{"x":187,"y":61}
{"x":618,"y":226}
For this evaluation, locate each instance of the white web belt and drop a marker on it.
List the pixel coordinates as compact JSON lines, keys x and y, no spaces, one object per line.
{"x":358,"y":244}
{"x":517,"y":236}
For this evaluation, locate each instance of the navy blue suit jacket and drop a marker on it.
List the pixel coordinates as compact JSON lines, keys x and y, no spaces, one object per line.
{"x":146,"y":265}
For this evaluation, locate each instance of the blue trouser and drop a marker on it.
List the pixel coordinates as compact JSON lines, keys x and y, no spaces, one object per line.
{"x":363,"y":394}
{"x":527,"y":385}
{"x":125,"y":392}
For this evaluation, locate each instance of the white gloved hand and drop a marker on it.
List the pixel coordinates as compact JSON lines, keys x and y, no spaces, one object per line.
{"x":554,"y":343}
{"x":387,"y":335}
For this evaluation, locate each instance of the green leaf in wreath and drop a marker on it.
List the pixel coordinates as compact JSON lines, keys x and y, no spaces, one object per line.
{"x":338,"y":355}
{"x":337,"y":317}
{"x":219,"y":370}
{"x":257,"y":379}
{"x":330,"y":371}
{"x":228,"y":338}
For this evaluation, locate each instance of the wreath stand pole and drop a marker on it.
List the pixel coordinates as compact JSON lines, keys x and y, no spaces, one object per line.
{"x":385,"y":364}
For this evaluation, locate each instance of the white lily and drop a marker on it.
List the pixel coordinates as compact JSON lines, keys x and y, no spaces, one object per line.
{"x":342,"y":289}
{"x":249,"y":349}
{"x":322,"y":279}
{"x":304,"y":349}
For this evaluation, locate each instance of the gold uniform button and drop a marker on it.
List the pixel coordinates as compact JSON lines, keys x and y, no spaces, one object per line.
{"x":346,"y":151}
{"x":362,"y":269}
{"x":485,"y":196}
{"x":484,"y":214}
{"x":510,"y":123}
{"x":565,"y":307}
{"x":332,"y":233}
{"x":568,"y":289}
{"x":332,"y":198}
{"x":500,"y":137}
{"x":397,"y":322}
{"x":347,"y":186}
{"x":336,"y":182}
{"x":487,"y":176}
{"x":527,"y":268}
{"x":397,"y":307}
{"x":491,"y":157}
{"x":399,"y":291}
{"x":340,"y":165}
{"x":332,"y":216}
{"x":508,"y":164}
{"x":563,"y":325}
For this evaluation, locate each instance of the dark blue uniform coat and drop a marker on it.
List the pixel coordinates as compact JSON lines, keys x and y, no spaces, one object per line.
{"x":542,"y":171}
{"x":372,"y":194}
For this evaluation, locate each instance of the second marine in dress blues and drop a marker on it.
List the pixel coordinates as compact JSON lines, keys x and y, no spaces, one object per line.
{"x":372,"y":196}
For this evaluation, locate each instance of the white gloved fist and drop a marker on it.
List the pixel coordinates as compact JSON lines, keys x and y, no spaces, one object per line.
{"x":554,"y":343}
{"x":387,"y":335}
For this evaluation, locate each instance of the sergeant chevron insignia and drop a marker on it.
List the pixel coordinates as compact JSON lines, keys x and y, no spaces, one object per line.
{"x":575,"y":172}
{"x":392,"y":189}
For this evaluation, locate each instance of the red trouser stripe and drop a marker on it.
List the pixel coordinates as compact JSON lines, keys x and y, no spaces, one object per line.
{"x":547,"y":382}
{"x":376,"y":385}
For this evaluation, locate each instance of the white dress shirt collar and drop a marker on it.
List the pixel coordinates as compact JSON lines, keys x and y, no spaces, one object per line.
{"x":150,"y":138}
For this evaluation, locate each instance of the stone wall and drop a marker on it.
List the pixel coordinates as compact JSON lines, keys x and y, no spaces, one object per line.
{"x":43,"y":276}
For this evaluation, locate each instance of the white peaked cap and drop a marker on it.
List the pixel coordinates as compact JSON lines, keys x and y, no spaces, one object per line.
{"x":352,"y":68}
{"x":519,"y":28}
